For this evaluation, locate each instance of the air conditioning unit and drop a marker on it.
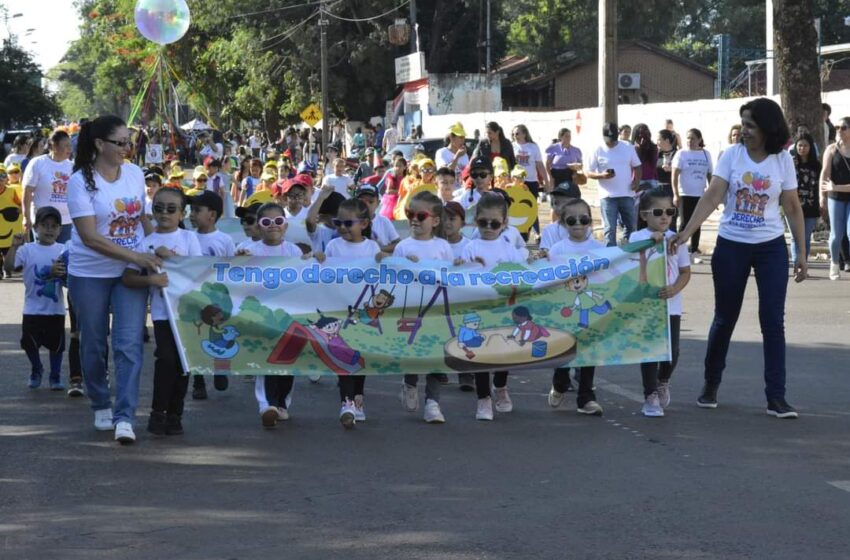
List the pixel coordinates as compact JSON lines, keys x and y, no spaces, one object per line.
{"x":628,"y":81}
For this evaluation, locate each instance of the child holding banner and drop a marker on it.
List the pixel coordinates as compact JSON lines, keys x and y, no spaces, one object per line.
{"x":169,"y":380}
{"x":657,"y":209}
{"x":575,"y":217}
{"x":382,"y":227}
{"x":248,"y":220}
{"x":490,"y":249}
{"x":354,"y":226}
{"x":272,"y":391}
{"x":425,"y":215}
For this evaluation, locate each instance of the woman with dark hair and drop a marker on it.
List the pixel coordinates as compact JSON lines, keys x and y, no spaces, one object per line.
{"x":496,"y":144}
{"x":692,"y":169}
{"x":20,"y":147}
{"x":37,"y":148}
{"x":647,"y":152}
{"x":46,"y":183}
{"x":528,"y":155}
{"x":106,"y":202}
{"x":563,"y":160}
{"x":753,"y":179}
{"x":835,"y":186}
{"x":808,"y":180}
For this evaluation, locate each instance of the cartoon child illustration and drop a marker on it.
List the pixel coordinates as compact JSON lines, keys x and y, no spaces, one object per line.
{"x":526,"y":329}
{"x":468,"y":335}
{"x":221,"y":340}
{"x":585,"y":301}
{"x":327,"y":329}
{"x":373,"y":310}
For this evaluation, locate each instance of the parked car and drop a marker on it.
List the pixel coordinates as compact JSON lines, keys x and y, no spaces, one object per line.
{"x":428,"y":146}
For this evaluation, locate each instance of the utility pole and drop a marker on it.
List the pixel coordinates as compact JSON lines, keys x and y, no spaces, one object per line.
{"x":488,"y":37}
{"x":323,"y":27}
{"x":608,"y":59}
{"x":414,"y":47}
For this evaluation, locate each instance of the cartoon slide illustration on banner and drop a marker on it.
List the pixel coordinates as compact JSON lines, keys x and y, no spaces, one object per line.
{"x":273,"y":316}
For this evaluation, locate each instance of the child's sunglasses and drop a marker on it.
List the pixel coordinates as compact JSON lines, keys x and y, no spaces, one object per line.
{"x":658,"y":212}
{"x":572,"y":220}
{"x":344,"y":223}
{"x":269,"y":222}
{"x":420,"y":216}
{"x":480,"y":175}
{"x":489,"y":224}
{"x":248,"y":221}
{"x":165,"y":209}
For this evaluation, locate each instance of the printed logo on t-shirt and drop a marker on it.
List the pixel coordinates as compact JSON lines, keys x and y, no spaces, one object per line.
{"x":59,"y":187}
{"x":124,"y":221}
{"x":751,"y":201}
{"x":523,"y":158}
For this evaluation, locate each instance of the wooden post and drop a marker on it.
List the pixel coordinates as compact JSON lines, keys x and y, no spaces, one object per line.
{"x":608,"y":59}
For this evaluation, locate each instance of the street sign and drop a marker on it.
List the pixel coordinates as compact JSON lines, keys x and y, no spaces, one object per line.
{"x":410,"y":68}
{"x":311,"y":114}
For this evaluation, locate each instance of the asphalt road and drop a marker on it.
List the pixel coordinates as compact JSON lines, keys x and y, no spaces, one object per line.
{"x":536,"y":483}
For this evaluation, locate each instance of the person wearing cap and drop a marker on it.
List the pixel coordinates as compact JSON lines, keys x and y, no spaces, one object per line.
{"x":340,"y":182}
{"x":383,"y":231}
{"x":199,"y":181}
{"x":175,"y":177}
{"x":616,"y":165}
{"x":46,"y":183}
{"x":320,"y":218}
{"x":248,"y":220}
{"x":293,"y":196}
{"x":15,"y":176}
{"x":501,"y":173}
{"x":528,"y":155}
{"x":10,"y":215}
{"x":481,"y":173}
{"x":424,"y":182}
{"x":43,"y":323}
{"x":454,"y":154}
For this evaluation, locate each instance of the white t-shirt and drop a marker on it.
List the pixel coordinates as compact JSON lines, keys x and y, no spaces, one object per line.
{"x":340,"y":183}
{"x":153,"y":153}
{"x":551,"y":234}
{"x":463,"y":196}
{"x":117,"y":208}
{"x":457,"y":248}
{"x":681,"y":260}
{"x":245,"y":244}
{"x":444,"y":158}
{"x":285,"y":249}
{"x":527,"y":155}
{"x":621,"y":158}
{"x":215,"y":244}
{"x":216,"y":151}
{"x":509,"y":234}
{"x":14,"y":158}
{"x":751,"y":213}
{"x":492,"y":252}
{"x":185,"y":244}
{"x":296,"y":229}
{"x":50,"y":180}
{"x":567,"y":246}
{"x":339,"y":247}
{"x":43,"y":293}
{"x":434,"y":249}
{"x":320,"y":238}
{"x":383,"y":230}
{"x":390,"y":138}
{"x":695,"y":166}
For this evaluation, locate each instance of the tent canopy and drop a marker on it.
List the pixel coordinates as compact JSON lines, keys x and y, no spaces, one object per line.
{"x":195,"y":124}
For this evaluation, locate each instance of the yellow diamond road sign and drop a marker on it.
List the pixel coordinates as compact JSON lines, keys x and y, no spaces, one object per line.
{"x":311,"y":114}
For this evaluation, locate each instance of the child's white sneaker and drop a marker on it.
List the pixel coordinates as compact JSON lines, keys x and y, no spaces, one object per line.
{"x":103,"y":420}
{"x":433,"y":414}
{"x":359,"y":411}
{"x":124,"y":433}
{"x":485,"y":409}
{"x":834,"y":271}
{"x":347,"y":415}
{"x":664,"y":394}
{"x":503,"y":400}
{"x":410,"y":397}
{"x":652,"y":406}
{"x":555,"y":398}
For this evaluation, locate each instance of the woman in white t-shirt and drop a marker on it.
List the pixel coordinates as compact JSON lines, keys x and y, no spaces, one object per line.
{"x":454,"y":154}
{"x":753,"y":179}
{"x":106,"y":201}
{"x":692,"y":169}
{"x":528,"y":155}
{"x":46,"y":183}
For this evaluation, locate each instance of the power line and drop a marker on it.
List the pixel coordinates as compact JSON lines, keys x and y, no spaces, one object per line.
{"x":281,"y":9}
{"x":287,"y":33}
{"x":358,"y":20}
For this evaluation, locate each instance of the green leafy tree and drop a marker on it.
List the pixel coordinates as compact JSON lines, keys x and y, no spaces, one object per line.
{"x":22,"y":99}
{"x":192,"y":304}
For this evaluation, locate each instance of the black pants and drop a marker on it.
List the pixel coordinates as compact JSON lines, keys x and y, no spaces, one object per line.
{"x":482,"y":382}
{"x":75,"y":366}
{"x":351,"y":385}
{"x":169,"y":380}
{"x":277,"y":388}
{"x":689,"y":204}
{"x":561,"y":381}
{"x":655,"y":372}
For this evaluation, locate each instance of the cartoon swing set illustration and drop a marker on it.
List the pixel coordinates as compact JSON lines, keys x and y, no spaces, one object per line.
{"x":413,"y":324}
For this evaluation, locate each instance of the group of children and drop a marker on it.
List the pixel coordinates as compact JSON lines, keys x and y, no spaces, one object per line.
{"x":308,"y":223}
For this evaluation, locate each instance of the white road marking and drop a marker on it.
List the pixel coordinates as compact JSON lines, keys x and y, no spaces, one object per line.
{"x":618,"y":390}
{"x":840,"y":484}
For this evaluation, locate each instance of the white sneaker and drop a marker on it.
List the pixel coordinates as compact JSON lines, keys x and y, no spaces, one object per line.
{"x":124,"y":433}
{"x":664,"y":394}
{"x":556,"y":398}
{"x":282,"y":414}
{"x":503,"y":400}
{"x":834,"y":271}
{"x":652,"y":407}
{"x":359,"y":411}
{"x":591,"y":408}
{"x":697,"y":260}
{"x":314,"y":378}
{"x":410,"y":397}
{"x":103,"y":420}
{"x":485,"y":409}
{"x":433,"y":414}
{"x":347,"y":415}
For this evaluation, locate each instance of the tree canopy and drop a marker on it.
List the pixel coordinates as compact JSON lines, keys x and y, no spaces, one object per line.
{"x":23,"y":100}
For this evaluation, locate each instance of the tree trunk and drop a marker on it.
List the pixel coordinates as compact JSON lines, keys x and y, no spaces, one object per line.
{"x":795,"y":51}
